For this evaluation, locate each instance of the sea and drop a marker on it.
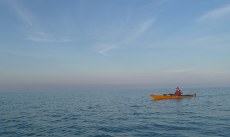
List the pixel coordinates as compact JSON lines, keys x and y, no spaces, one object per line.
{"x":114,"y":112}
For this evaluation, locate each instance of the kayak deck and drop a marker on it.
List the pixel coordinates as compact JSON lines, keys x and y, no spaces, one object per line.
{"x":170,"y":96}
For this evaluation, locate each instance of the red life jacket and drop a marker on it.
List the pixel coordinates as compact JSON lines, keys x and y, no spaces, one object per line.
{"x":178,"y":92}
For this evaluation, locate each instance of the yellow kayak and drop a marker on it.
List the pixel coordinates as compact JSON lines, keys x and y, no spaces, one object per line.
{"x":171,"y":96}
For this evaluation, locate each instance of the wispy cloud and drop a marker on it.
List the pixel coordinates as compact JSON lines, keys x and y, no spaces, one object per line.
{"x":21,"y":12}
{"x":130,"y":38}
{"x":45,"y":37}
{"x":104,"y":49}
{"x":216,"y":13}
{"x":32,"y":27}
{"x":142,"y":28}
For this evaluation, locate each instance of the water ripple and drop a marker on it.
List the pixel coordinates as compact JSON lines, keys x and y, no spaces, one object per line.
{"x":113,"y":114}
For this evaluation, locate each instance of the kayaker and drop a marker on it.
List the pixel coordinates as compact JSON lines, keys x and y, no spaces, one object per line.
{"x":178,"y":92}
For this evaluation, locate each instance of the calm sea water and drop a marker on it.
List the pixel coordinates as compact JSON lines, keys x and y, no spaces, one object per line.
{"x":118,"y":113}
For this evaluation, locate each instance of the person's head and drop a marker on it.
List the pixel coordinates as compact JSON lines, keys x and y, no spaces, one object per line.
{"x":177,"y":87}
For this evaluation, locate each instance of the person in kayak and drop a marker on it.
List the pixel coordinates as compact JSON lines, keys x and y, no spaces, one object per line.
{"x":178,"y":92}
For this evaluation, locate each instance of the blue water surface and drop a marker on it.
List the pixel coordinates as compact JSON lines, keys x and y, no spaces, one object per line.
{"x":114,"y":113}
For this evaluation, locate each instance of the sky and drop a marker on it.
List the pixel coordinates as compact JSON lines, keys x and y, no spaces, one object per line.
{"x":142,"y":43}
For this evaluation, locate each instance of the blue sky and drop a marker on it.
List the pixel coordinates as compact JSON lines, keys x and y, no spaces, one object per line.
{"x":150,"y":43}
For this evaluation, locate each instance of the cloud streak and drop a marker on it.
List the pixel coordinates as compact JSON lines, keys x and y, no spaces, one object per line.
{"x":104,"y":49}
{"x":143,"y":27}
{"x":44,"y":37}
{"x":130,"y":38}
{"x":216,"y":13}
{"x":34,"y":31}
{"x":21,"y":13}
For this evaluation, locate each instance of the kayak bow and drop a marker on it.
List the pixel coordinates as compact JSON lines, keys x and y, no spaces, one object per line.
{"x":170,"y":96}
